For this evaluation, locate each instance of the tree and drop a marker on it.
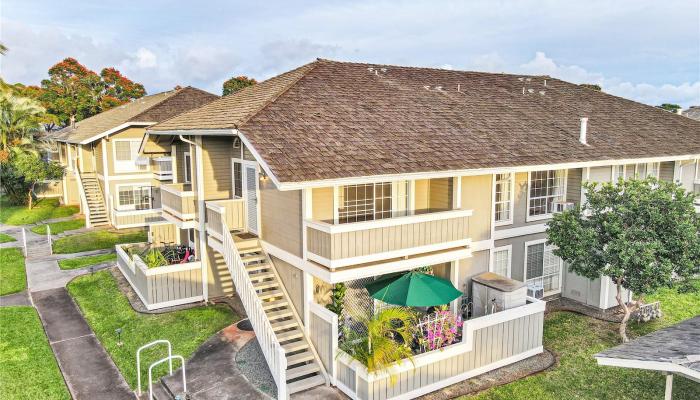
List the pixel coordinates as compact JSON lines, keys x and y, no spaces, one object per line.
{"x":20,"y":119}
{"x":73,"y":92}
{"x":642,"y":234}
{"x":670,"y":107}
{"x":237,"y":83}
{"x":3,"y":49}
{"x":33,"y":169}
{"x":591,"y":86}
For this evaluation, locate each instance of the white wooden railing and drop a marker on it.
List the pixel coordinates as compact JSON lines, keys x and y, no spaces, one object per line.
{"x":83,"y":199}
{"x":271,"y":347}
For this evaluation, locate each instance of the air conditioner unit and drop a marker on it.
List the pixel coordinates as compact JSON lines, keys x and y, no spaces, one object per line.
{"x":561,"y":206}
{"x":535,"y":290}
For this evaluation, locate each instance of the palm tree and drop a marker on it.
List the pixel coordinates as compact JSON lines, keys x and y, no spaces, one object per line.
{"x":3,"y":49}
{"x":20,"y":119}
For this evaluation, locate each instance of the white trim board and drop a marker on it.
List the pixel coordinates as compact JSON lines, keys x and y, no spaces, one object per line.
{"x":650,"y":365}
{"x":519,"y":231}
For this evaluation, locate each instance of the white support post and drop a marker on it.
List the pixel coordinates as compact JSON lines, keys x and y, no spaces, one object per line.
{"x":456,"y":193}
{"x":411,"y":196}
{"x":454,"y":278}
{"x":48,"y":238}
{"x":24,"y":241}
{"x":336,"y":205}
{"x":308,"y":299}
{"x":668,"y":395}
{"x":199,"y":176}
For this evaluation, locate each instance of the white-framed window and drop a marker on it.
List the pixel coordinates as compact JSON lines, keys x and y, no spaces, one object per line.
{"x":187,"y":167}
{"x":134,"y":196}
{"x":125,"y":152}
{"x":503,"y":198}
{"x":501,"y":258}
{"x":543,"y":270}
{"x":238,"y":179}
{"x":365,"y":202}
{"x":638,"y":171}
{"x":544,"y":188}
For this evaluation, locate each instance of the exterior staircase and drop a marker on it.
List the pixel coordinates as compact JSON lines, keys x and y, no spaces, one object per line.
{"x":95,"y":201}
{"x":293,"y":361}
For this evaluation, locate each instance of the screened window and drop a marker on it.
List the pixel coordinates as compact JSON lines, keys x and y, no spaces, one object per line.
{"x":237,"y":180}
{"x":135,"y":198}
{"x":188,"y":168}
{"x":125,"y":154}
{"x":503,"y":197}
{"x":500,"y":262}
{"x":123,"y":151}
{"x":365,"y":202}
{"x":543,"y":268}
{"x":546,"y":187}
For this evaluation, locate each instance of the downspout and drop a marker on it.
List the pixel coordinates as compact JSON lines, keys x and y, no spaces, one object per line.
{"x":201,"y":210}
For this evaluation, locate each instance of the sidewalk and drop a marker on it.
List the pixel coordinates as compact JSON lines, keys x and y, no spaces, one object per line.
{"x":86,"y":366}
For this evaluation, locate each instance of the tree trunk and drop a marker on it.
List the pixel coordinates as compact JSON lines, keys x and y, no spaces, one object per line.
{"x":31,"y":202}
{"x":623,"y":323}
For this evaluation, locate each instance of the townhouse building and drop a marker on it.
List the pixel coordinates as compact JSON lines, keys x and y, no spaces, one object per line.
{"x":344,"y":172}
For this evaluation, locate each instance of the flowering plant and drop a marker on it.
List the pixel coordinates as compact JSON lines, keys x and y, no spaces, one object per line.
{"x":439,"y":329}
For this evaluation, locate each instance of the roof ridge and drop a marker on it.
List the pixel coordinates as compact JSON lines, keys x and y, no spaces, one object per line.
{"x":312,"y":65}
{"x":174,"y":93}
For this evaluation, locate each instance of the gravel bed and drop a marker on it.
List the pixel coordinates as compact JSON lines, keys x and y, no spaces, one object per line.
{"x":252,"y":364}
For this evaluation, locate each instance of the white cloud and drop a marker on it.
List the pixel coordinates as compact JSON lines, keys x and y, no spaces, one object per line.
{"x":146,"y":58}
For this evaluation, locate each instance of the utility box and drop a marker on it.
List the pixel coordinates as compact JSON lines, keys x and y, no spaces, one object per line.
{"x":492,"y":293}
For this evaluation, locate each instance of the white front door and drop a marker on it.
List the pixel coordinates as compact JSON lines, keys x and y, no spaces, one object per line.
{"x":250,"y":194}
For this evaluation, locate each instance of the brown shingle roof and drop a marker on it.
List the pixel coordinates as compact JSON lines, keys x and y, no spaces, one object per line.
{"x":153,"y":108}
{"x":332,"y":119}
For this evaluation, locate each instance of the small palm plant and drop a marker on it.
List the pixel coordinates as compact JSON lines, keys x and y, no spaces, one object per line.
{"x":155,"y":259}
{"x":388,"y":339}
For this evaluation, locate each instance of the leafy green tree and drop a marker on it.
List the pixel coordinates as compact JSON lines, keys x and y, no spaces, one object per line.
{"x":20,"y":120}
{"x":642,"y":234}
{"x":337,"y":298}
{"x":591,"y":86}
{"x":237,"y":83}
{"x":3,"y":49}
{"x":670,"y":107}
{"x":33,"y":169}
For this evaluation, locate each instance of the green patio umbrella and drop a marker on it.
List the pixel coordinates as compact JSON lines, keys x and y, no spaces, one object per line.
{"x":413,"y":289}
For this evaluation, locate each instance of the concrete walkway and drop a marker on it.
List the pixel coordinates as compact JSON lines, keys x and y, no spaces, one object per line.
{"x":15,"y":299}
{"x":87,"y":368}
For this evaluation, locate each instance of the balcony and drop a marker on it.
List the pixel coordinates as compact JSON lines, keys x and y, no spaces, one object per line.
{"x":231,"y":212}
{"x":342,"y":245}
{"x":178,"y":202}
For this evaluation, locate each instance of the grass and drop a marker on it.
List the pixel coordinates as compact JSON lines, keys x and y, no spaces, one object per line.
{"x":12,"y":276}
{"x":60,"y":227}
{"x":43,"y":209}
{"x":4,"y":238}
{"x":28,"y":369}
{"x":106,"y":309}
{"x":80,"y":262}
{"x":576,"y":338}
{"x":96,"y":240}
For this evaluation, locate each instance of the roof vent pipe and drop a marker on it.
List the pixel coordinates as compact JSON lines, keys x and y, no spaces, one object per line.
{"x":584,"y":129}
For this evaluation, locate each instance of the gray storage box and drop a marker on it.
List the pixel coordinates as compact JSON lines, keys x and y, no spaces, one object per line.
{"x":493,"y":293}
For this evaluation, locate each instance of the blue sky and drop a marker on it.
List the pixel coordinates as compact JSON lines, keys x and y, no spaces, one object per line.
{"x":646,"y":50}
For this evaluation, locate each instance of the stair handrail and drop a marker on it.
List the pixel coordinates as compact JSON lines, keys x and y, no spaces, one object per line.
{"x":138,"y":359}
{"x":83,"y":199}
{"x":271,"y":348}
{"x":324,"y":373}
{"x":162,"y":360}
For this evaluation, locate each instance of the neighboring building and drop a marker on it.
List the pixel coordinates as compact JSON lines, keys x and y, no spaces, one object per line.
{"x":344,"y":172}
{"x":104,"y":174}
{"x":692,"y":112}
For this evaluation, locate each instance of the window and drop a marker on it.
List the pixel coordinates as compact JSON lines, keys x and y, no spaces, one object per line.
{"x":500,"y":260}
{"x":134,"y":197}
{"x":638,"y":171}
{"x":125,"y":154}
{"x":542,"y":268}
{"x":503,"y":198}
{"x":546,"y":187}
{"x":237,"y":180}
{"x":187,"y":165}
{"x":365,"y":202}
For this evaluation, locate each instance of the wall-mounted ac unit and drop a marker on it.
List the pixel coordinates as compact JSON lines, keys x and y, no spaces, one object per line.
{"x":561,"y":206}
{"x":535,"y":290}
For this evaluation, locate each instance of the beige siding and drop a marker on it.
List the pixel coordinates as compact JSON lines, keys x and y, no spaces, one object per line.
{"x":218,"y":277}
{"x":440,"y":194}
{"x":216,"y":164}
{"x":476,"y":196}
{"x":72,"y":188}
{"x":293,"y":280}
{"x":385,"y":239}
{"x":87,"y":159}
{"x":180,"y":149}
{"x":160,"y":234}
{"x":573,"y":185}
{"x":469,"y":267}
{"x":321,"y":335}
{"x":247,"y":155}
{"x":281,"y":217}
{"x":99,"y":160}
{"x":422,"y":194}
{"x":52,"y":188}
{"x":322,"y":204}
{"x":601,"y":174}
{"x":130,"y":220}
{"x":666,"y":171}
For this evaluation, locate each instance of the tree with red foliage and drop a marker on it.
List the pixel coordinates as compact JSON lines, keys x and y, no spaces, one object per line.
{"x":237,"y":83}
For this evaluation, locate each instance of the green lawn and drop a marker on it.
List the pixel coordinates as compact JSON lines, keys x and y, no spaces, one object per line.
{"x":28,"y":369}
{"x":577,"y":338}
{"x":43,"y":209}
{"x":60,"y":227}
{"x":96,"y":240}
{"x":107,"y":309}
{"x":80,"y":262}
{"x":4,"y":238}
{"x":12,"y":276}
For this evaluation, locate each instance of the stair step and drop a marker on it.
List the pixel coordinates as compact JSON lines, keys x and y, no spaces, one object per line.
{"x":295,"y":346}
{"x":279,"y":314}
{"x":270,"y":294}
{"x":253,"y":258}
{"x":300,"y":358}
{"x":284,"y":336}
{"x":266,"y":285}
{"x":268,"y":305}
{"x":305,"y":384}
{"x":255,"y":249}
{"x":278,"y":326}
{"x":302,"y":370}
{"x":260,"y":276}
{"x":257,"y":267}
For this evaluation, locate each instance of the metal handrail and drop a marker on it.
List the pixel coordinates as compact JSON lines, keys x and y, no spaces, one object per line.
{"x":162,"y":360}
{"x":138,"y":360}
